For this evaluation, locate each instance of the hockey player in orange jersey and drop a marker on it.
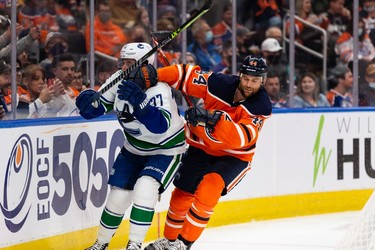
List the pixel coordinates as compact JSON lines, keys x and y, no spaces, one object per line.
{"x":222,"y":137}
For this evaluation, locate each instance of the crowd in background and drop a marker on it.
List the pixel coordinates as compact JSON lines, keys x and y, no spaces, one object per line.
{"x":53,"y":39}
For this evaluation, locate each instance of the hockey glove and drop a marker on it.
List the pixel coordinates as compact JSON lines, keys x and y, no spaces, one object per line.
{"x":89,"y":105}
{"x":129,"y":91}
{"x":201,"y":117}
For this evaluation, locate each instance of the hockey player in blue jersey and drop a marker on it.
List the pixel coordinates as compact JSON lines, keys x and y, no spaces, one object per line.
{"x":153,"y":147}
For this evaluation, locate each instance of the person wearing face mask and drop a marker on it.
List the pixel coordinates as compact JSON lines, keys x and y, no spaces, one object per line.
{"x":108,"y":36}
{"x":344,"y":45}
{"x":202,"y":45}
{"x":276,"y":59}
{"x":55,"y":44}
{"x":368,"y":14}
{"x":367,"y":89}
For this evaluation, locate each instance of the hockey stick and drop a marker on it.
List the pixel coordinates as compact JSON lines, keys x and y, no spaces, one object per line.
{"x":207,"y":5}
{"x":160,"y":50}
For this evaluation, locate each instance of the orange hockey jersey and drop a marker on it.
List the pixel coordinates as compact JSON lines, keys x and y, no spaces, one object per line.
{"x":237,"y":131}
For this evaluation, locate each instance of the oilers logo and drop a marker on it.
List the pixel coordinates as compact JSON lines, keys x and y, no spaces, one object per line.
{"x":15,"y":204}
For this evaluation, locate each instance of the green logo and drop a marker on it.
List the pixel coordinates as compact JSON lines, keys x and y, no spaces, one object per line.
{"x":320,"y":153}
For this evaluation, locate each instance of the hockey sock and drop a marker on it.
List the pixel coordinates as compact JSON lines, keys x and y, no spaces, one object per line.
{"x":117,"y":203}
{"x":146,"y":193}
{"x":178,"y":207}
{"x":206,"y":197}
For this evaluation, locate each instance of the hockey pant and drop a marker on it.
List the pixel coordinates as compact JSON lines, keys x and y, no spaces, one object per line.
{"x":144,"y":197}
{"x":188,"y":213}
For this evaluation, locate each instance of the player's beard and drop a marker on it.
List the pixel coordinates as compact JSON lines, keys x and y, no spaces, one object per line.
{"x":246,"y":91}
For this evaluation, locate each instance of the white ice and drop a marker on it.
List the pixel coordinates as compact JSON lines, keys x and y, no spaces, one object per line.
{"x":317,"y":232}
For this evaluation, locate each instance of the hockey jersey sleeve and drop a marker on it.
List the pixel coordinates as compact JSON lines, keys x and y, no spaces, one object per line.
{"x":186,"y":78}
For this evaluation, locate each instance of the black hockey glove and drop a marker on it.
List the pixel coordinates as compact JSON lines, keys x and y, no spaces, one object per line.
{"x":201,"y":117}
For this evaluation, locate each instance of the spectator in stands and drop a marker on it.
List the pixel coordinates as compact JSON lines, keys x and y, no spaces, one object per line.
{"x":77,"y":85}
{"x":69,"y":15}
{"x":202,"y":46}
{"x":244,"y":43}
{"x":108,"y":36}
{"x":63,"y":67}
{"x":338,"y":18}
{"x":4,"y":85}
{"x":308,"y":93}
{"x":274,"y":32}
{"x":143,"y":19}
{"x":23,"y":45}
{"x":224,"y":66}
{"x":38,"y":13}
{"x":123,"y":12}
{"x":105,"y":69}
{"x":340,"y":83}
{"x":46,"y":100}
{"x":171,"y":50}
{"x":223,"y":29}
{"x":24,"y":98}
{"x":138,"y":34}
{"x":344,"y":45}
{"x":267,"y":13}
{"x":167,"y":11}
{"x":55,"y":45}
{"x":24,"y":59}
{"x":190,"y":58}
{"x":367,"y":90}
{"x":272,"y":52}
{"x":368,"y":15}
{"x":2,"y":112}
{"x":272,"y":86}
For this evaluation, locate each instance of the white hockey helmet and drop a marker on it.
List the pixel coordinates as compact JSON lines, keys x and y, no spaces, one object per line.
{"x":136,"y":51}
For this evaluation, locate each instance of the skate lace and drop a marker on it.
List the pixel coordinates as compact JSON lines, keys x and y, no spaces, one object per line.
{"x":176,"y":245}
{"x":133,"y":246}
{"x":159,"y":244}
{"x":98,"y":246}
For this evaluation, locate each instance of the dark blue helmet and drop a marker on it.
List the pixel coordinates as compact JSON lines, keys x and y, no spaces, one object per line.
{"x":144,"y":76}
{"x":254,"y":66}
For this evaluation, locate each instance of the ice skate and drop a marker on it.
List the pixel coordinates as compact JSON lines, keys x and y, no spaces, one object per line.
{"x":98,"y":246}
{"x":133,"y":245}
{"x":159,"y":244}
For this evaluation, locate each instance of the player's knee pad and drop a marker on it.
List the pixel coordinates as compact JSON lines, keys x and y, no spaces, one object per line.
{"x":146,"y":191}
{"x":209,"y":189}
{"x":119,"y":200}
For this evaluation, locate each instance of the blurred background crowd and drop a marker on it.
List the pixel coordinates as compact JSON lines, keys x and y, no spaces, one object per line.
{"x":53,"y":45}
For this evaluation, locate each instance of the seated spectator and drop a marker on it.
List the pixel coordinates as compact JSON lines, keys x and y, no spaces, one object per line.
{"x":2,"y":112}
{"x":40,"y":14}
{"x":105,"y":70}
{"x":224,"y":66}
{"x":272,"y":86}
{"x":69,"y":15}
{"x":308,"y":93}
{"x":24,"y":98}
{"x":245,"y":43}
{"x":4,"y":86}
{"x":276,"y":60}
{"x":202,"y":46}
{"x":108,"y":36}
{"x":55,"y":45}
{"x":23,"y":45}
{"x":171,"y":50}
{"x":369,"y":18}
{"x":77,"y":85}
{"x":267,"y":13}
{"x":138,"y":34}
{"x":274,"y":32}
{"x":46,"y":100}
{"x":367,"y":90}
{"x":143,"y":19}
{"x":223,"y":29}
{"x":123,"y":12}
{"x":344,"y":45}
{"x":340,"y":83}
{"x":190,"y":58}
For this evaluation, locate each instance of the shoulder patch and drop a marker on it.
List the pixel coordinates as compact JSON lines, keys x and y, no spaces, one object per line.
{"x":259,"y":104}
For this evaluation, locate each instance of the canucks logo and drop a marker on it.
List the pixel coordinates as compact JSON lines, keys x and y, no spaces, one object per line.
{"x":14,"y":205}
